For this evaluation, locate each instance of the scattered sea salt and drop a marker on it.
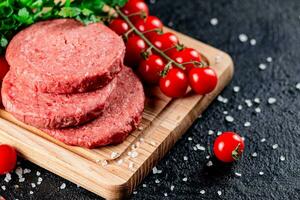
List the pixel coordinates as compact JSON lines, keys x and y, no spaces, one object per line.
{"x":225,"y":112}
{"x":195,"y":148}
{"x":262,"y":66}
{"x":256,"y":100}
{"x":229,"y":118}
{"x":166,"y":194}
{"x":282,"y":158}
{"x":218,"y":59}
{"x":30,"y":192}
{"x":157,"y":181}
{"x":185,"y":158}
{"x":21,"y":180}
{"x":263,"y":140}
{"x":210,"y":132}
{"x":275,"y":146}
{"x":219,"y":193}
{"x":133,"y":154}
{"x":190,"y":139}
{"x":261,"y":173}
{"x":134,"y":192}
{"x":238,"y":174}
{"x":172,"y":187}
{"x":240,"y":107}
{"x":247,"y":124}
{"x":209,"y":163}
{"x":253,"y":42}
{"x":104,"y":163}
{"x":144,"y":185}
{"x":201,"y":148}
{"x":248,"y":102}
{"x":243,"y":37}
{"x":7,"y":177}
{"x":120,"y":162}
{"x":219,"y":133}
{"x":3,"y":187}
{"x":271,"y":100}
{"x":26,"y":171}
{"x":214,"y":21}
{"x":63,"y":186}
{"x":202,"y":191}
{"x":154,"y":170}
{"x":222,"y":99}
{"x":298,"y":86}
{"x":170,"y":24}
{"x":114,"y":155}
{"x":258,"y":110}
{"x":236,"y":89}
{"x":269,"y":59}
{"x":185,"y":179}
{"x":38,"y":173}
{"x":131,"y":165}
{"x":254,"y":154}
{"x":207,"y":157}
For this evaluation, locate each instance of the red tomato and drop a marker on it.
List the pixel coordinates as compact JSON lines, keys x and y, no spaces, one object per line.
{"x":134,"y":47}
{"x":135,"y":7}
{"x":228,"y":147}
{"x":4,"y":67}
{"x":164,"y":41}
{"x":150,"y":69}
{"x":175,"y":83}
{"x":119,"y":26}
{"x":149,"y":24}
{"x":8,"y":158}
{"x":203,"y":80}
{"x":186,"y":55}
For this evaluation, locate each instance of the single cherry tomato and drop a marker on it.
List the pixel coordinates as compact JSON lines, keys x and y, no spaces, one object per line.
{"x":164,"y":41}
{"x":203,"y":80}
{"x":8,"y":158}
{"x":228,"y":147}
{"x":119,"y":26}
{"x":138,"y":7}
{"x":134,"y":47}
{"x":4,"y":67}
{"x":150,"y":25}
{"x":175,"y":83}
{"x":186,"y":55}
{"x":150,"y":69}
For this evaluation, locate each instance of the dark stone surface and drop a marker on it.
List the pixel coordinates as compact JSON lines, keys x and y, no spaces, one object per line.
{"x":275,"y":24}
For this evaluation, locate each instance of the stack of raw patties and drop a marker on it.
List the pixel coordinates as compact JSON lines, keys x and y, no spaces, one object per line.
{"x":69,"y":80}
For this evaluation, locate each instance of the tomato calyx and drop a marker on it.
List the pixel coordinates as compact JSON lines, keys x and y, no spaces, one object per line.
{"x":237,"y":152}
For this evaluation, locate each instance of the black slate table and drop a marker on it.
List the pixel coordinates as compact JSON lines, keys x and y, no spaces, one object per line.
{"x":266,"y":171}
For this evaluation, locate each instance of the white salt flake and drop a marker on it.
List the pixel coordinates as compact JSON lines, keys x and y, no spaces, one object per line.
{"x":209,"y":163}
{"x":275,"y":146}
{"x":225,"y":112}
{"x":269,"y":59}
{"x":254,"y":154}
{"x":240,"y":107}
{"x":38,"y":173}
{"x":219,"y":193}
{"x":222,"y":99}
{"x":271,"y":100}
{"x":166,"y":194}
{"x":195,"y":148}
{"x":236,"y":89}
{"x":218,"y":59}
{"x":210,"y":132}
{"x":190,"y":138}
{"x":185,"y":158}
{"x":120,"y":162}
{"x":154,"y":170}
{"x":40,"y":179}
{"x":144,"y":185}
{"x":104,"y":163}
{"x":7,"y":177}
{"x":33,"y":185}
{"x":207,"y":157}
{"x":243,"y":37}
{"x":131,"y":165}
{"x":185,"y":179}
{"x":134,"y":154}
{"x":172,"y":187}
{"x":19,"y":172}
{"x":214,"y":21}
{"x":219,"y":133}
{"x":247,"y":124}
{"x":30,"y":192}
{"x":3,"y":187}
{"x":298,"y":86}
{"x":157,"y":181}
{"x":21,"y":180}
{"x":63,"y":186}
{"x":201,"y":148}
{"x":261,"y":173}
{"x":238,"y":174}
{"x":248,"y":102}
{"x":263,"y":140}
{"x":229,"y":118}
{"x":134,"y":192}
{"x":258,"y":110}
{"x":282,"y":158}
{"x":170,"y":24}
{"x":114,"y":155}
{"x":256,"y":100}
{"x":26,"y":171}
{"x":262,"y":66}
{"x":202,"y":191}
{"x":253,"y":42}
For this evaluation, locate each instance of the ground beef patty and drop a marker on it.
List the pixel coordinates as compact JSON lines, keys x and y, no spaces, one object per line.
{"x":64,"y":56}
{"x":121,"y":116}
{"x":45,"y":110}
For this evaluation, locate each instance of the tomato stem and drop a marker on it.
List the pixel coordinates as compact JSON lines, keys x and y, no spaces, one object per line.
{"x":141,"y":35}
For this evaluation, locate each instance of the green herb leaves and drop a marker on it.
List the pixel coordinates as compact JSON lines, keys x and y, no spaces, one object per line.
{"x":17,"y":14}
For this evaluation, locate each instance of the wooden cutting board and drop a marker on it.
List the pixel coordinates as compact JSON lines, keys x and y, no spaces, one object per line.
{"x":114,"y":171}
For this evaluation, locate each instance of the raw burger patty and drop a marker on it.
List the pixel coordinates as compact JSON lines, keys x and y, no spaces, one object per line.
{"x":45,"y":110}
{"x":64,"y":56}
{"x":119,"y":118}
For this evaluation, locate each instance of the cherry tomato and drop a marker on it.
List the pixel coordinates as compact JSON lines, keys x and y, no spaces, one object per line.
{"x":134,"y":47}
{"x":4,"y":67}
{"x":8,"y":158}
{"x":149,"y":24}
{"x":135,"y":7}
{"x":150,"y":69}
{"x":175,"y":83}
{"x":119,"y":26}
{"x":203,"y":80}
{"x":186,"y":55}
{"x":164,"y":41}
{"x":228,"y":147}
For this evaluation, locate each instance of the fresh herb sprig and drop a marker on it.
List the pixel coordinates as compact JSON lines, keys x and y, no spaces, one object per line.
{"x":18,"y":14}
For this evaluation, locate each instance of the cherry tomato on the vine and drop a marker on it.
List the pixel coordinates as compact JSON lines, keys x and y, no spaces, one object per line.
{"x":134,"y":47}
{"x":150,"y":69}
{"x":186,"y":55}
{"x":138,"y":7}
{"x":150,"y":25}
{"x":4,"y":67}
{"x":203,"y":80}
{"x":228,"y":147}
{"x":8,"y":158}
{"x":164,"y":41}
{"x":175,"y":83}
{"x":119,"y":26}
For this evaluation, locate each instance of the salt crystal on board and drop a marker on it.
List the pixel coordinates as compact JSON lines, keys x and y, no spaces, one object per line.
{"x":185,"y":179}
{"x":262,"y":66}
{"x":271,"y":100}
{"x":298,"y":86}
{"x":269,"y":59}
{"x":243,"y":37}
{"x":253,"y":42}
{"x":219,"y":193}
{"x":247,"y":124}
{"x":214,"y":21}
{"x":229,"y":118}
{"x":275,"y":146}
{"x":282,"y":158}
{"x":63,"y":186}
{"x":236,"y":89}
{"x":202,"y":191}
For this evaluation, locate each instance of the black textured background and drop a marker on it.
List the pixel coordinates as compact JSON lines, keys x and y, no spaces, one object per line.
{"x":275,"y":24}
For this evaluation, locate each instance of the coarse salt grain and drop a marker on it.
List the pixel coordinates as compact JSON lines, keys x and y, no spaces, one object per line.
{"x":298,"y":86}
{"x":247,"y":124}
{"x":201,"y":148}
{"x":214,"y":21}
{"x":262,"y":66}
{"x":134,"y":154}
{"x":271,"y":100}
{"x":172,"y":187}
{"x":63,"y":186}
{"x":243,"y":37}
{"x":202,"y":191}
{"x":104,"y":163}
{"x":7,"y":177}
{"x":185,"y":158}
{"x":254,"y":154}
{"x":120,"y":162}
{"x":209,"y":163}
{"x":238,"y":174}
{"x":38,"y":173}
{"x":282,"y":158}
{"x":240,"y":107}
{"x":154,"y":170}
{"x":207,"y":157}
{"x":3,"y":187}
{"x":222,"y":99}
{"x":219,"y":193}
{"x":166,"y":194}
{"x":275,"y":146}
{"x":21,"y":180}
{"x":225,"y":112}
{"x":261,"y":173}
{"x":210,"y":132}
{"x":131,"y":165}
{"x":190,"y":139}
{"x":263,"y":140}
{"x":157,"y":181}
{"x":269,"y":59}
{"x":258,"y":110}
{"x":144,"y":185}
{"x":195,"y":148}
{"x":170,"y":24}
{"x":30,"y":192}
{"x":253,"y":42}
{"x":185,"y":179}
{"x":33,"y":185}
{"x":256,"y":100}
{"x":229,"y":118}
{"x":236,"y":89}
{"x":248,"y":102}
{"x":114,"y":155}
{"x":219,"y":133}
{"x":26,"y":171}
{"x":134,"y":192}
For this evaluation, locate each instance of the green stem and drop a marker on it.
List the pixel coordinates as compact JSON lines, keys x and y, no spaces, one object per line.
{"x":141,"y":35}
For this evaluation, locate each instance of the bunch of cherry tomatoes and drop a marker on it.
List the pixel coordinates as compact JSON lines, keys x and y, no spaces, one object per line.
{"x":153,"y":66}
